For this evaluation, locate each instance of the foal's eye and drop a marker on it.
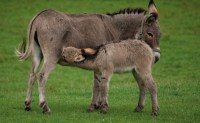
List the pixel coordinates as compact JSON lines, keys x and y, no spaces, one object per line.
{"x":150,"y":34}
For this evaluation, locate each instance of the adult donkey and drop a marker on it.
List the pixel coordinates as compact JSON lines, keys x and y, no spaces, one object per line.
{"x":50,"y":30}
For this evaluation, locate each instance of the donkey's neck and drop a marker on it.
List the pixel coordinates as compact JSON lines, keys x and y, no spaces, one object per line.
{"x":127,"y":25}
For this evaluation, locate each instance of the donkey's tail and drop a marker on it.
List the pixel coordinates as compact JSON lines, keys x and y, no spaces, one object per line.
{"x":24,"y":50}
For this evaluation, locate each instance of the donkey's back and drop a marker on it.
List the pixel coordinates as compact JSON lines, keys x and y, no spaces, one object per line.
{"x":78,"y":30}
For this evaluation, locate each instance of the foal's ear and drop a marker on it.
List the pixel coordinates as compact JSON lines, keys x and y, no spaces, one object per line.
{"x":152,"y":9}
{"x":88,"y":51}
{"x":63,"y":49}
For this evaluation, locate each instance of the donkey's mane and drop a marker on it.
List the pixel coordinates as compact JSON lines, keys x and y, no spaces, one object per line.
{"x":129,"y":11}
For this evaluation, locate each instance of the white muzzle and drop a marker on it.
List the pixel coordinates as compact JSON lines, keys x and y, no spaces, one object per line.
{"x":156,"y":54}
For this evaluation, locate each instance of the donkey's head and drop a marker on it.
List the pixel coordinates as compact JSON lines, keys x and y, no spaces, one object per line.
{"x":150,"y":30}
{"x":140,"y":24}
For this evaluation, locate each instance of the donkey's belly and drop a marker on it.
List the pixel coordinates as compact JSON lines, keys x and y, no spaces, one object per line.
{"x":124,"y":69}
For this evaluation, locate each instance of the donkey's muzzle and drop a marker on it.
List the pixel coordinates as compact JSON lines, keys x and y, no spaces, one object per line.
{"x":156,"y":54}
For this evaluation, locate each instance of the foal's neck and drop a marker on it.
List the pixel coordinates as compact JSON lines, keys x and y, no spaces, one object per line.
{"x":88,"y":64}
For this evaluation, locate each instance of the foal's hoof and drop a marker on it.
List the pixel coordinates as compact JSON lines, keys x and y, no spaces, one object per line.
{"x":104,"y":109}
{"x":27,"y":108}
{"x":92,"y":107}
{"x":138,"y":108}
{"x":154,"y":114}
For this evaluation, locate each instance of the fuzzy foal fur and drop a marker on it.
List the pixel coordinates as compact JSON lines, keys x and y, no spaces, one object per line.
{"x":130,"y":55}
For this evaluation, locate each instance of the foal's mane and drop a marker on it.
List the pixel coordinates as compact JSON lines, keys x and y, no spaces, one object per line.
{"x":128,"y":11}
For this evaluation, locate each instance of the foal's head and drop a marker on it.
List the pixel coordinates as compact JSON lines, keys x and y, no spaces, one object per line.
{"x":75,"y":55}
{"x":72,"y":54}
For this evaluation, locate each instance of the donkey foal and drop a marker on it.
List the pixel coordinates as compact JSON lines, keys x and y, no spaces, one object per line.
{"x":129,"y":55}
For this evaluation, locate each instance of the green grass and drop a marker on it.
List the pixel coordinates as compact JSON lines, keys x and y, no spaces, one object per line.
{"x":69,"y":89}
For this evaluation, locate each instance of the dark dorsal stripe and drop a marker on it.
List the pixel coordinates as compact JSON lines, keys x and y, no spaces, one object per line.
{"x":129,"y":11}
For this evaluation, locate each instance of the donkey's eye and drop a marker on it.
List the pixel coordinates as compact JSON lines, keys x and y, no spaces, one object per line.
{"x":150,"y":34}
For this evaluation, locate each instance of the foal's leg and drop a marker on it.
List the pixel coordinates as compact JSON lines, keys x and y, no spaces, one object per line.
{"x":42,"y":78}
{"x":104,"y":87}
{"x":96,"y":93}
{"x":142,"y":88}
{"x":151,"y":85}
{"x":153,"y":92}
{"x":36,"y":59}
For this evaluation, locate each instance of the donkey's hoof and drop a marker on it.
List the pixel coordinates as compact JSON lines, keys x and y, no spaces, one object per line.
{"x":104,"y":109}
{"x":96,"y":106}
{"x":92,"y":107}
{"x":90,"y":110}
{"x":27,"y":106}
{"x":138,"y":108}
{"x":45,"y":108}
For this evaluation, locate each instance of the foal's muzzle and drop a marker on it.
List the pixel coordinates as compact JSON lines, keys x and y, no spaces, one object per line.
{"x":156,"y":54}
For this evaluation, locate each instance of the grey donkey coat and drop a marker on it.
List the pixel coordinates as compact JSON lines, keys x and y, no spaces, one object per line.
{"x":49,"y":31}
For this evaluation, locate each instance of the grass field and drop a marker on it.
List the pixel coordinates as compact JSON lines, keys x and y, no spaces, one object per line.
{"x":69,"y":89}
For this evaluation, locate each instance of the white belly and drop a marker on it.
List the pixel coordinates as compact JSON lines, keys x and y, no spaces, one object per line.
{"x":123,"y":69}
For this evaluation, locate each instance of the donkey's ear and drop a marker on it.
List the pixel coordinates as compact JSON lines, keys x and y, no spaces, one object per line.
{"x":88,"y":51}
{"x":150,"y":19}
{"x":152,"y":9}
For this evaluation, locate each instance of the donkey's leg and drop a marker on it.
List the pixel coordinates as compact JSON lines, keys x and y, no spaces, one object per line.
{"x":36,"y":59}
{"x":96,"y":92}
{"x":30,"y":86}
{"x":142,"y":88}
{"x":104,"y":87}
{"x":42,"y":78}
{"x":151,"y":85}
